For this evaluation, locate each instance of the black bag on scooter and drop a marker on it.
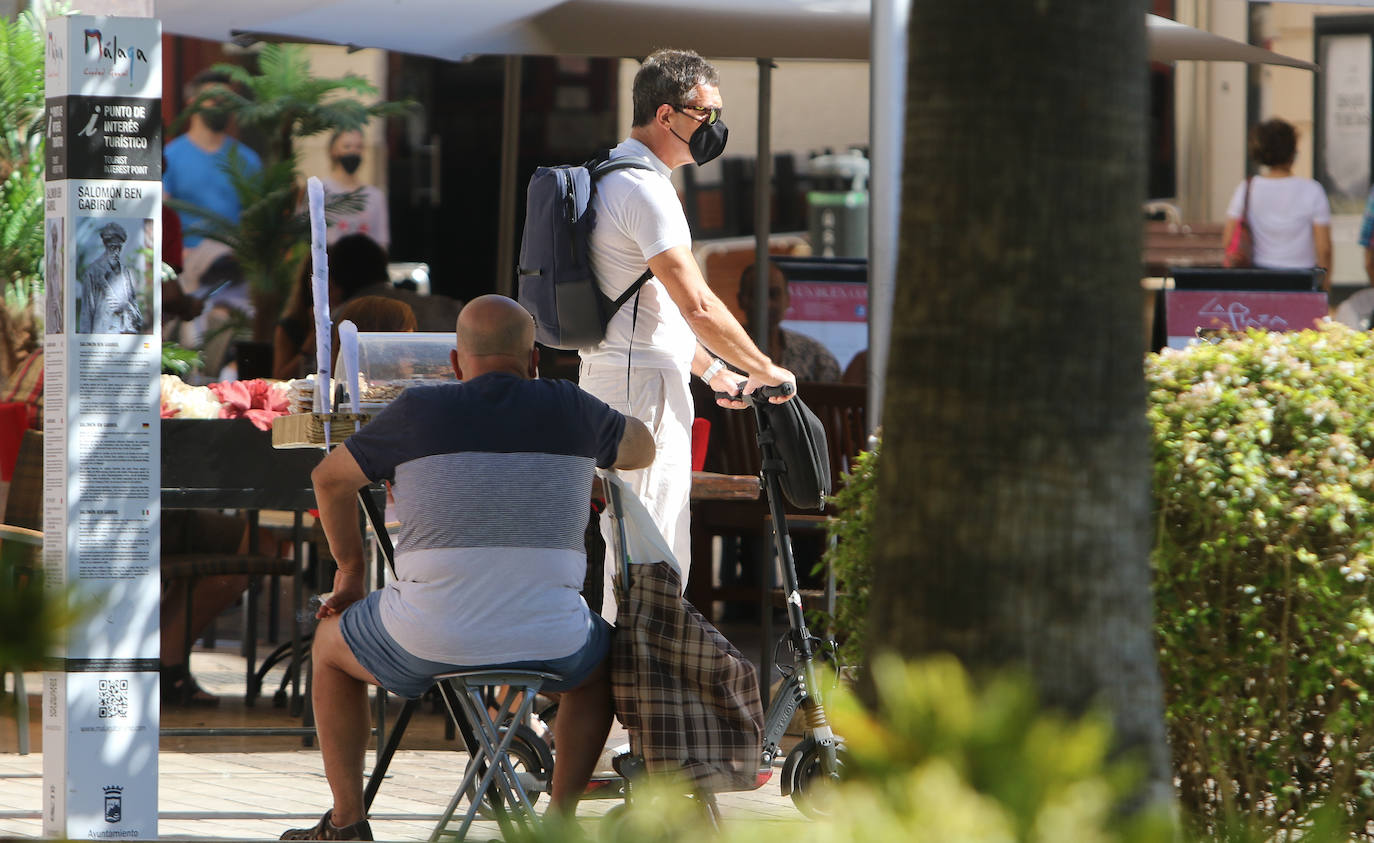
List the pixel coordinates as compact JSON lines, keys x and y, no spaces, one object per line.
{"x":798,"y":444}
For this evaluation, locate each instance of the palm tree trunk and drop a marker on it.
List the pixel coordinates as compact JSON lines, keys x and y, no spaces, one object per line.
{"x":267,"y":307}
{"x":1011,"y":524}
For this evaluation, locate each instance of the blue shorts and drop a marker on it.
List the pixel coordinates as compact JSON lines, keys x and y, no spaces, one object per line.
{"x":410,"y":676}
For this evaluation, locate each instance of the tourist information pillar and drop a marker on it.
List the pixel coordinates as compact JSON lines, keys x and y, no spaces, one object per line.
{"x":101,"y":489}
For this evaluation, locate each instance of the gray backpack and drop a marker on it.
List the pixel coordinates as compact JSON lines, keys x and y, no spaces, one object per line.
{"x":556,"y":282}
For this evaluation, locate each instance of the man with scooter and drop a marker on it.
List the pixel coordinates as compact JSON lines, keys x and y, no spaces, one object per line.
{"x":660,"y":337}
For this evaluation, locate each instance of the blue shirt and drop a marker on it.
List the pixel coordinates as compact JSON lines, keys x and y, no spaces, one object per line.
{"x":1367,"y":223}
{"x":196,"y":176}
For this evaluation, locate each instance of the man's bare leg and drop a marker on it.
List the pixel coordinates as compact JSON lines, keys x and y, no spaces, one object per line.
{"x":580,"y":730}
{"x":342,"y":719}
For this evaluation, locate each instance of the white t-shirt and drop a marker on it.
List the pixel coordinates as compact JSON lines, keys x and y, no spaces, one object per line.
{"x":1281,"y":215}
{"x":372,"y":220}
{"x":638,"y":216}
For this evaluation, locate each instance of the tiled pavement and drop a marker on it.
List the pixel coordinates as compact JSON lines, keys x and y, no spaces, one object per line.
{"x":253,"y":789}
{"x":257,"y":795}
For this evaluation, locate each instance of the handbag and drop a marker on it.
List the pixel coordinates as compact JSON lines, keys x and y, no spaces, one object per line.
{"x":791,"y":434}
{"x":1240,"y":250}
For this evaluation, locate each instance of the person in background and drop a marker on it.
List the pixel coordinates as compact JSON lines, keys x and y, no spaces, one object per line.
{"x":353,"y":266}
{"x":801,"y":355}
{"x":345,"y":157}
{"x":193,"y":171}
{"x":1289,"y":216}
{"x":177,"y":307}
{"x":25,"y":386}
{"x":365,"y":262}
{"x":857,"y":371}
{"x":370,"y":314}
{"x":1366,"y":238}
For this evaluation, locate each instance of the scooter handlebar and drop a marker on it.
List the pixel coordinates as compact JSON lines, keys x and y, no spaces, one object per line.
{"x":782,"y":390}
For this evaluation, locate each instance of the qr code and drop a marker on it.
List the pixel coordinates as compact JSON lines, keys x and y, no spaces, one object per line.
{"x":114,"y":698}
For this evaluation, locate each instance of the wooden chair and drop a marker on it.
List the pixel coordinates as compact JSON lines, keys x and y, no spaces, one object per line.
{"x":21,"y":542}
{"x":734,"y":449}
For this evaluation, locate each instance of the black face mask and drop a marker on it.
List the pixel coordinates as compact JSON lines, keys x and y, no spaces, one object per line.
{"x":216,"y":121}
{"x":350,"y":163}
{"x":708,"y":141}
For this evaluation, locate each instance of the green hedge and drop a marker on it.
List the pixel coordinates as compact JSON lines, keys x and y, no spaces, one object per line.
{"x":848,"y":553}
{"x":1264,"y":516}
{"x":1262,"y":488}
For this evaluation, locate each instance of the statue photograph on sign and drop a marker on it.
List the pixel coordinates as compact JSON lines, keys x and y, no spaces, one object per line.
{"x":114,"y":269}
{"x":53,"y":278}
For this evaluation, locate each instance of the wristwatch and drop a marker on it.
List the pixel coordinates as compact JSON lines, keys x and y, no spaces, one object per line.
{"x":712,"y":370}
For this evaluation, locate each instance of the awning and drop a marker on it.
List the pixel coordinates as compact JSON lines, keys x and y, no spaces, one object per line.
{"x":778,"y":29}
{"x":831,"y":29}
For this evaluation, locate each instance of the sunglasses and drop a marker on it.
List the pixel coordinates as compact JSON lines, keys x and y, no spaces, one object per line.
{"x":711,"y":114}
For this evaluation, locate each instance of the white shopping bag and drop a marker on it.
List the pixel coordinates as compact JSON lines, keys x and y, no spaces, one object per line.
{"x":639,"y":539}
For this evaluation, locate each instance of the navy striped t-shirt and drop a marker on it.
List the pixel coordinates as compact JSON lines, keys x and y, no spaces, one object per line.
{"x":492,"y":479}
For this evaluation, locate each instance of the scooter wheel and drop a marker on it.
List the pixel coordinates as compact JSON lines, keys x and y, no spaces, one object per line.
{"x":813,"y":788}
{"x":532,"y":761}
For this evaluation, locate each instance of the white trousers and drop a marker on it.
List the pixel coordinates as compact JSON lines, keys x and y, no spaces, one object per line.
{"x":659,"y":398}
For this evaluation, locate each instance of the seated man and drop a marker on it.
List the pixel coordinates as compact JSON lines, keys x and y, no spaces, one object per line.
{"x":491,"y":478}
{"x":806,"y":358}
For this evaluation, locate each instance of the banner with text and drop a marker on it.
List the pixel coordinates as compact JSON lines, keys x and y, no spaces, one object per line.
{"x":1195,"y":315}
{"x":102,"y":361}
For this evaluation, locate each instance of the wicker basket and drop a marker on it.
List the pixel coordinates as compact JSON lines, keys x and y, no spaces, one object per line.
{"x":306,"y":430}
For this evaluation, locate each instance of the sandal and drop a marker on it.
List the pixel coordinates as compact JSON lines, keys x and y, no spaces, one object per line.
{"x":179,"y":688}
{"x":326,"y":830}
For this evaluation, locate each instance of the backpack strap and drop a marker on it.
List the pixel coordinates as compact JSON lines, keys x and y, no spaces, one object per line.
{"x":599,"y":167}
{"x":596,"y":168}
{"x":631,"y":290}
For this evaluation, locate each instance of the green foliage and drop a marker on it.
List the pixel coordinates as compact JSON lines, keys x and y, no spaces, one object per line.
{"x":940,"y":759}
{"x":1009,"y":770}
{"x":1262,"y":488}
{"x":21,"y":149}
{"x":849,"y":554}
{"x":32,"y":618}
{"x":178,"y":361}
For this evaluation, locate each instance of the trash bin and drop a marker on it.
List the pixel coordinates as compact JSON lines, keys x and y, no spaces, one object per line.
{"x":837,"y":206}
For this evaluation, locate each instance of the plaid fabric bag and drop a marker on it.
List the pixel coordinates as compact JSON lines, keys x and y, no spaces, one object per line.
{"x":686,"y":694}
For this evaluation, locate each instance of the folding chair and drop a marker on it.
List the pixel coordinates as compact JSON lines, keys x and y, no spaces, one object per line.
{"x":490,"y":748}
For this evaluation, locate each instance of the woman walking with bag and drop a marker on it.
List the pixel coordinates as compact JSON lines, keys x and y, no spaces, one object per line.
{"x":1289,"y":218}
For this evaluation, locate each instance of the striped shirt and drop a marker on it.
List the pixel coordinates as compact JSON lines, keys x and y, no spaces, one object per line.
{"x":492,"y":480}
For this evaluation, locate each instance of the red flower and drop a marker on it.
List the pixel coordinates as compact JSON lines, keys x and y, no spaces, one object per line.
{"x":254,"y":400}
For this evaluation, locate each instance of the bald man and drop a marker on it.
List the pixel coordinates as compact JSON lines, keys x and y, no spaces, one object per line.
{"x":491,"y":478}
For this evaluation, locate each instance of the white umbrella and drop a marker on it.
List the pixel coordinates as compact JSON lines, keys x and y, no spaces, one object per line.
{"x":1173,"y":41}
{"x":455,"y":30}
{"x":819,"y":29}
{"x":779,"y":29}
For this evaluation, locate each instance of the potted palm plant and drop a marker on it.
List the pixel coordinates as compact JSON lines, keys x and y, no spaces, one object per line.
{"x":281,"y":101}
{"x":21,"y":185}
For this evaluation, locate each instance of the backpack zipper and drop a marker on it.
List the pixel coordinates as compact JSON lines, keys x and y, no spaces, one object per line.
{"x":570,"y":196}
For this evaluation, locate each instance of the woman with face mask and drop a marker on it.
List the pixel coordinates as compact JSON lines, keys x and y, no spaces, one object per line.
{"x":370,"y":218}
